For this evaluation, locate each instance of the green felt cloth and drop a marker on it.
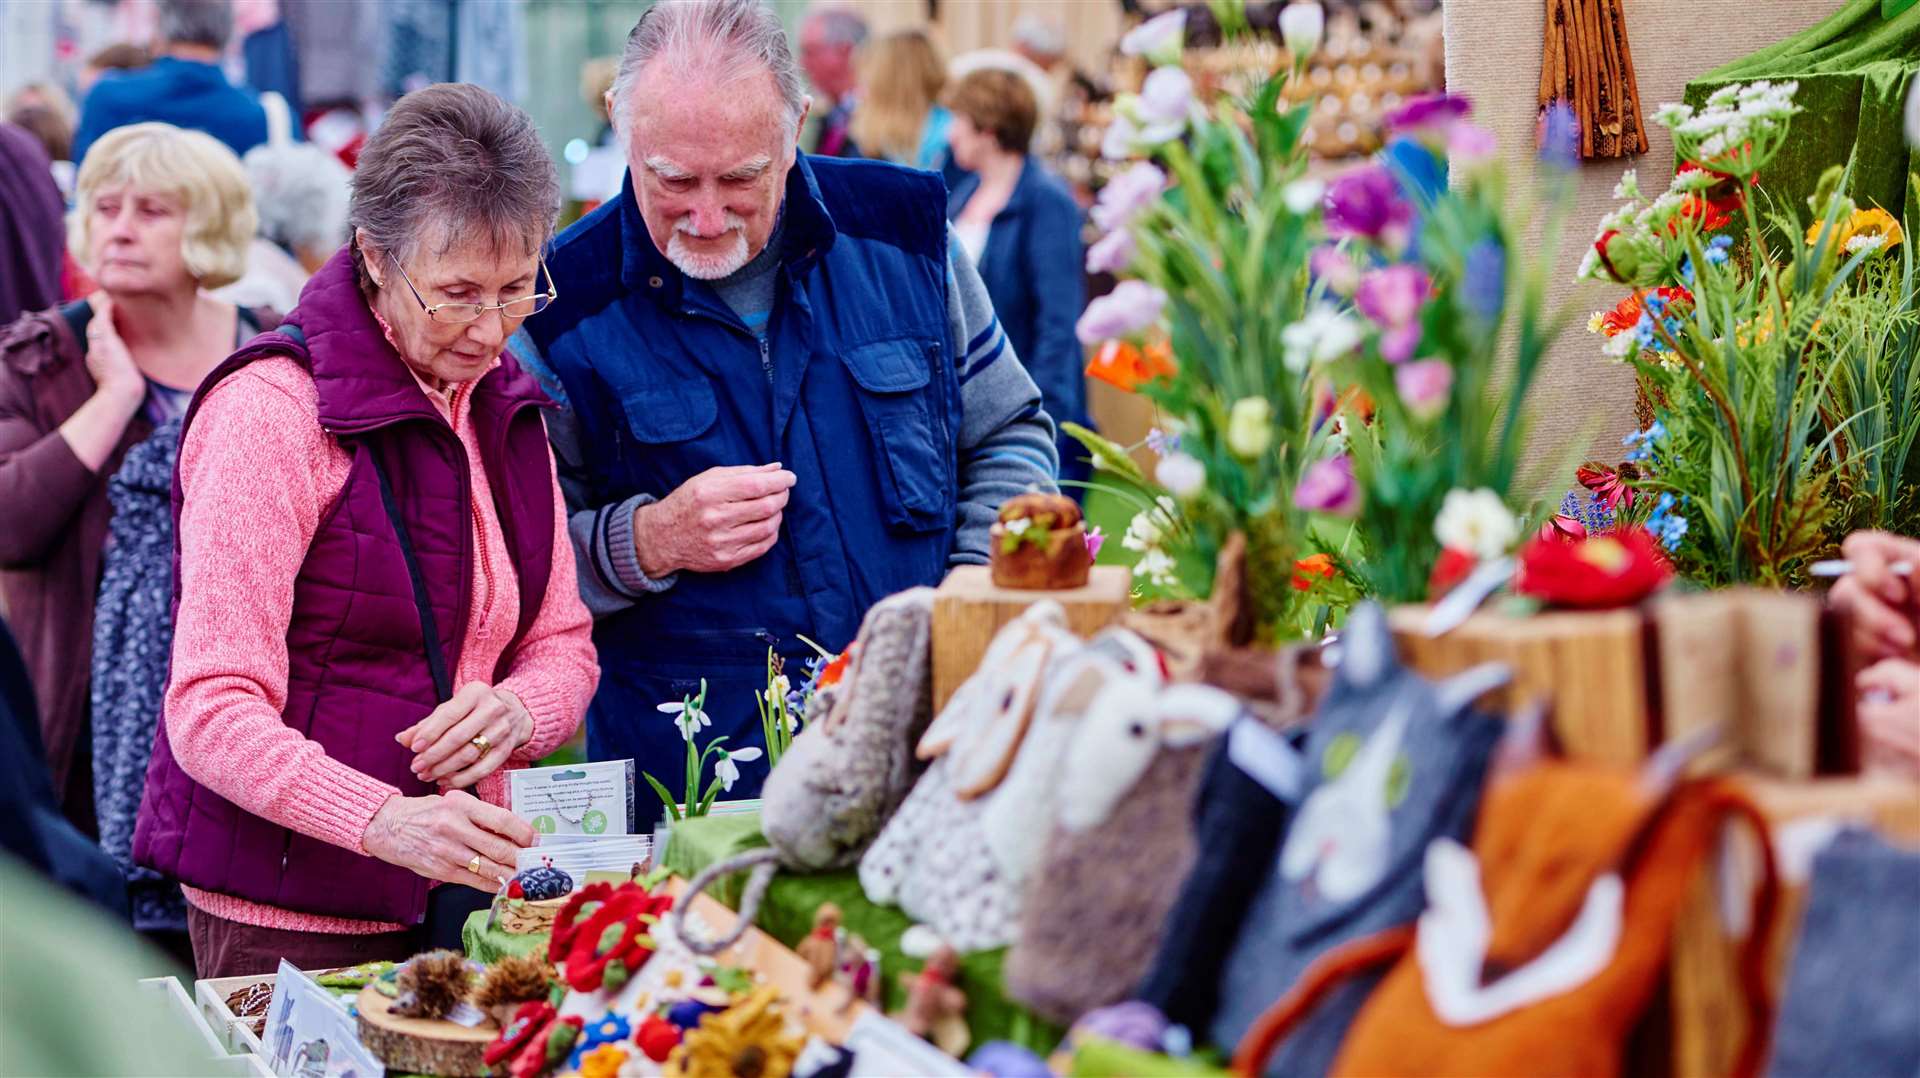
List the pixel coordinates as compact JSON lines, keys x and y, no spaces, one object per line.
{"x":1097,"y":1058}
{"x":787,"y":915}
{"x":1854,"y":70}
{"x":491,"y":945}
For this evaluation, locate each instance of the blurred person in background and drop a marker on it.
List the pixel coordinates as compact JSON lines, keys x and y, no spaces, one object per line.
{"x":897,"y":115}
{"x":120,"y":56}
{"x":33,"y":231}
{"x":1021,"y":226}
{"x":1881,"y":595}
{"x":300,"y":192}
{"x":830,"y":39}
{"x":47,"y":111}
{"x":184,"y":85}
{"x":1036,"y":56}
{"x":163,"y":215}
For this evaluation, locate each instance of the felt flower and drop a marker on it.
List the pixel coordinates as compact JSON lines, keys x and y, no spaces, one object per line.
{"x":1367,"y":203}
{"x":1609,"y":485}
{"x":1180,"y":473}
{"x":1324,"y":335}
{"x":1131,"y":307}
{"x":603,"y":1061}
{"x":1476,"y":521}
{"x":1334,"y":266}
{"x":657,"y":1038}
{"x":1126,"y":366}
{"x":1328,"y":486}
{"x":1876,"y":226}
{"x":1159,"y":39}
{"x":727,"y":769}
{"x":1310,"y":571}
{"x":1095,"y":540}
{"x":689,"y":717}
{"x":1132,"y":190}
{"x":1602,"y":572}
{"x":1250,"y":427}
{"x":1449,"y":569}
{"x":1303,"y":24}
{"x":1391,"y":297}
{"x":1112,"y":252}
{"x":1424,"y":386}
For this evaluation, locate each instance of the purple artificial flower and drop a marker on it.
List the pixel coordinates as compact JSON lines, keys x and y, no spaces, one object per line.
{"x":1166,"y":97}
{"x":1329,"y":487}
{"x":1111,"y":253}
{"x":1095,"y":540}
{"x":1366,"y":202}
{"x":1428,"y":112}
{"x":1332,"y":265}
{"x":1470,"y":144}
{"x":1483,"y":288}
{"x":1161,"y":442}
{"x":1126,"y":195}
{"x":1558,"y":133}
{"x":1392,"y":298}
{"x":1134,"y":1024}
{"x":1424,"y":386}
{"x":1131,"y":307}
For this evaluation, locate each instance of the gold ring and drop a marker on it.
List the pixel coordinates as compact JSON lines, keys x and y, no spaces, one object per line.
{"x":473,"y":866}
{"x":481,"y":743}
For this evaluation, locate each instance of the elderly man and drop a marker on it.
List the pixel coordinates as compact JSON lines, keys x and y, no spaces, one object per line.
{"x":829,"y":36}
{"x":184,"y":85}
{"x":786,"y":395}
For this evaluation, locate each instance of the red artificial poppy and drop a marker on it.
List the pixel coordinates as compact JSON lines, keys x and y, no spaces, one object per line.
{"x":1710,"y":216}
{"x":1309,"y":571}
{"x":1124,"y":365}
{"x":528,"y":1024}
{"x":837,"y":668}
{"x":610,"y":946}
{"x":1599,"y":573}
{"x":1624,"y":316}
{"x":657,"y":1037}
{"x":1564,"y":529}
{"x":1607,"y":484}
{"x":1453,"y":566}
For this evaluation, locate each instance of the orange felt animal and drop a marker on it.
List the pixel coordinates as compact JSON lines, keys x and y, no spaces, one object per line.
{"x":1544,"y":947}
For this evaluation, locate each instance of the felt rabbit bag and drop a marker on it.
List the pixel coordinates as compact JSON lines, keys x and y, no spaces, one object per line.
{"x":1393,"y":762}
{"x":957,"y":855}
{"x":1120,"y":847}
{"x":1544,"y":946}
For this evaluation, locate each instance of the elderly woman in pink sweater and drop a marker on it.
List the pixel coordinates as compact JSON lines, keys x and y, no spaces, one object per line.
{"x":377,"y":610}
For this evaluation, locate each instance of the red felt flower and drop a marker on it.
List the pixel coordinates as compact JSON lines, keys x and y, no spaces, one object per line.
{"x":1599,"y":573}
{"x":1310,"y":571}
{"x":1564,"y":529}
{"x":657,"y":1037}
{"x":1624,"y":316}
{"x":529,"y":1023}
{"x":1607,"y":484}
{"x":1453,"y":566}
{"x":563,"y":923}
{"x":619,"y":931}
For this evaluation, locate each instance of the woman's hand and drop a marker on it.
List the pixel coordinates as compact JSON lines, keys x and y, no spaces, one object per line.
{"x":1889,"y":715}
{"x":440,"y":835}
{"x":108,"y":360}
{"x":447,"y":744}
{"x":1885,"y":606}
{"x":94,"y":429}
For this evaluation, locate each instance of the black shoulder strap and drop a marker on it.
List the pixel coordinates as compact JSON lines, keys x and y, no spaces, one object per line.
{"x":288,"y":329}
{"x":436,"y":658}
{"x":78,"y":315}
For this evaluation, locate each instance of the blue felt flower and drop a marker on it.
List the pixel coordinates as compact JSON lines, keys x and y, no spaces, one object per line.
{"x":1666,"y":523}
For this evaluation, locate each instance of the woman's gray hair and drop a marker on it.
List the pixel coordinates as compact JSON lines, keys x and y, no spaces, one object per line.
{"x":301,"y":193}
{"x":725,"y":40}
{"x":455,"y":156}
{"x":196,"y":22}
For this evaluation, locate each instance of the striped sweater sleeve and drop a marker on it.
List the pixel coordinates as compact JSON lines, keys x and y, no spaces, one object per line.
{"x":1006,"y":437}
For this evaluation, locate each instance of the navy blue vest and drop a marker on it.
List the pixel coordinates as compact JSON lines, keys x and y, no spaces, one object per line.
{"x":863,"y":407}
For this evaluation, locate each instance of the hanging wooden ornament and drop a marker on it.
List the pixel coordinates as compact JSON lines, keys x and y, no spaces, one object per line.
{"x":1588,"y":65}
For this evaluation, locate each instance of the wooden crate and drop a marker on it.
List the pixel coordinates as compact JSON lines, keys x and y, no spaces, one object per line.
{"x":968,"y":610}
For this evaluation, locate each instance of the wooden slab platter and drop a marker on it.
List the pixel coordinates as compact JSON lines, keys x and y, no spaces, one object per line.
{"x":422,"y":1045}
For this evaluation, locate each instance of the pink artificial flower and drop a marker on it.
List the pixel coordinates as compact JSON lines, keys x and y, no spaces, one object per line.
{"x":1329,"y":487}
{"x":1112,"y":252}
{"x":1424,"y":386}
{"x":1392,"y":298}
{"x":1334,"y":266}
{"x":1470,"y":144}
{"x":1095,"y":540}
{"x":1131,"y":307}
{"x":1124,"y":196}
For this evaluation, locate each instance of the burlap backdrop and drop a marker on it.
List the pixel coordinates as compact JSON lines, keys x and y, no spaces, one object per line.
{"x":1493,"y":57}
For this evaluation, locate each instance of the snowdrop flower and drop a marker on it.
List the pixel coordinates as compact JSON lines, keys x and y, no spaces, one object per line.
{"x":1324,"y":335}
{"x":1128,"y":193}
{"x":1303,"y":196}
{"x":1143,"y":532}
{"x":1181,"y":473}
{"x":1159,"y":39}
{"x":1301,"y":26}
{"x":1157,"y":566}
{"x":1476,"y":521}
{"x":688,"y":719}
{"x":1112,"y":252}
{"x":727,"y":770}
{"x":1250,"y":427}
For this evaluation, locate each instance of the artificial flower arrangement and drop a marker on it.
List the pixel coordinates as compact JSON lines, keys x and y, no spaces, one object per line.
{"x":1427,"y":478}
{"x":1210,"y":228}
{"x":1776,"y":357}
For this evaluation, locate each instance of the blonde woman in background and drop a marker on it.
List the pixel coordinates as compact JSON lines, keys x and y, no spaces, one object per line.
{"x":899,"y":117}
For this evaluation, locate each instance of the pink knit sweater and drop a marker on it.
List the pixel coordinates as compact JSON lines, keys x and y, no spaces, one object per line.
{"x":258,"y":473}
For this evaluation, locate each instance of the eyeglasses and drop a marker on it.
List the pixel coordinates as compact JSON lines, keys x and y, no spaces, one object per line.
{"x":459,"y":313}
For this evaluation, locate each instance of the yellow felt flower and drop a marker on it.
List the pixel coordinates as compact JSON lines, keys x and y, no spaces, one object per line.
{"x":1872,"y":226}
{"x":747,"y":1040}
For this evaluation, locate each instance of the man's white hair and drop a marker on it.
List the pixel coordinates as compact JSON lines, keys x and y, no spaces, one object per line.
{"x":725,"y":41}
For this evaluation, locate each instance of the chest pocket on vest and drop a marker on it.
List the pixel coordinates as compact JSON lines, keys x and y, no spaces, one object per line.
{"x":910,"y":456}
{"x":667,"y":410}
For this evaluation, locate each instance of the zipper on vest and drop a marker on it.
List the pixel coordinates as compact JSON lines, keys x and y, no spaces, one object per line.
{"x":766,"y":359}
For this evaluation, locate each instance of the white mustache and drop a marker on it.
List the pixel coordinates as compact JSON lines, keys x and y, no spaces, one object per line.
{"x":733,"y":222}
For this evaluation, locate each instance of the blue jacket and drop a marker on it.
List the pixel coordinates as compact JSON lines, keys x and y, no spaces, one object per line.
{"x":1033,"y":267}
{"x":183,"y":93}
{"x":861,"y":402}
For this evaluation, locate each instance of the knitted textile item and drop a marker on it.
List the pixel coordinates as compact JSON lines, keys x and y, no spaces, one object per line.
{"x":1851,"y":993}
{"x":1119,"y":849}
{"x":1394,"y":761}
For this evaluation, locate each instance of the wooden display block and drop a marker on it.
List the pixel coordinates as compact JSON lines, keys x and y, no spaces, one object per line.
{"x":968,"y":610}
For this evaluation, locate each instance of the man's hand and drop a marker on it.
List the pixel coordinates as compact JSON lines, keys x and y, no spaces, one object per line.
{"x":1889,"y":713}
{"x":1885,"y":606}
{"x":720,"y":519}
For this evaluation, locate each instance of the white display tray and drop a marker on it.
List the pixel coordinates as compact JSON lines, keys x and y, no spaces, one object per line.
{"x":219,"y":1062}
{"x":212,"y":995}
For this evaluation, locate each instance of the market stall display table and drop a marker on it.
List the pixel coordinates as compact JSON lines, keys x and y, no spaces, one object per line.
{"x":787,"y":912}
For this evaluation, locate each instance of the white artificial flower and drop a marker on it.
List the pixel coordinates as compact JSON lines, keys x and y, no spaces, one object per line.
{"x":1157,"y":566}
{"x":1303,"y":196}
{"x":1324,"y":335}
{"x":1913,"y":114}
{"x":1618,"y":346}
{"x":1711,"y":122}
{"x":688,"y":719}
{"x":1250,"y":427}
{"x":1725,"y":95}
{"x":1167,"y":506}
{"x":1159,"y":39}
{"x":780,"y":686}
{"x":1865,"y":243}
{"x":1629,"y":185}
{"x":1181,"y":473}
{"x":1117,"y":143}
{"x":1302,"y":25}
{"x":1159,"y":112}
{"x":1018,"y":527}
{"x":1672,"y":114}
{"x":1589,"y":265}
{"x":1143,"y":532}
{"x":727,"y":769}
{"x":1476,"y":521}
{"x":1691,"y":180}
